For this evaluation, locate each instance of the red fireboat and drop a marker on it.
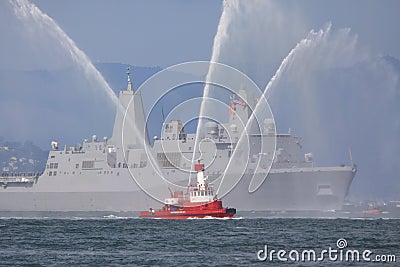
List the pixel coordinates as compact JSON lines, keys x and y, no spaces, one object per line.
{"x":198,"y":202}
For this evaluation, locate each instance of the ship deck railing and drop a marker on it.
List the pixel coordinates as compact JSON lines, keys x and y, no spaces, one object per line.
{"x":19,"y":177}
{"x":20,"y":174}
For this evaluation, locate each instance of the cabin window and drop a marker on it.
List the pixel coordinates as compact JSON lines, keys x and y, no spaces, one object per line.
{"x":77,"y":166}
{"x":55,"y":173}
{"x":50,"y":173}
{"x":52,"y":157}
{"x":53,"y":165}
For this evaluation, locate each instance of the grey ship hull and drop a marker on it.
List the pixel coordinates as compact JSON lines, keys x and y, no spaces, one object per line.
{"x":285,"y":189}
{"x":300,"y":189}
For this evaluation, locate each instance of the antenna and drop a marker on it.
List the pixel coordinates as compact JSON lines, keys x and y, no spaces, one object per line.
{"x":162,"y":112}
{"x":351,"y":156}
{"x":128,"y":72}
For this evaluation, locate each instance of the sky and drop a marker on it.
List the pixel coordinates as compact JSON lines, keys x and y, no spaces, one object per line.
{"x":145,"y":33}
{"x":163,"y":33}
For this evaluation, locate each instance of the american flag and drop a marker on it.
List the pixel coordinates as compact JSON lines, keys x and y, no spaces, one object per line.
{"x":239,"y":102}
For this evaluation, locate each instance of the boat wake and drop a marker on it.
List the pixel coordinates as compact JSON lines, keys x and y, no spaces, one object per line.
{"x":112,"y":216}
{"x":215,"y":218}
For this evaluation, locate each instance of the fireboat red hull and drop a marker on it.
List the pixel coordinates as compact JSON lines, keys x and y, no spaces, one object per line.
{"x":213,"y":209}
{"x":199,"y":202}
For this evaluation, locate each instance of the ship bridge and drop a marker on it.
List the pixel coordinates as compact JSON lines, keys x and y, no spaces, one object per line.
{"x":173,"y":130}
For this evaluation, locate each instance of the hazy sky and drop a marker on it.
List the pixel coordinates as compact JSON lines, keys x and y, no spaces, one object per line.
{"x":163,"y":33}
{"x":146,"y":33}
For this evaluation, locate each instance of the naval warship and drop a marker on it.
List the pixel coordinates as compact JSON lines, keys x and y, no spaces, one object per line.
{"x":108,"y":174}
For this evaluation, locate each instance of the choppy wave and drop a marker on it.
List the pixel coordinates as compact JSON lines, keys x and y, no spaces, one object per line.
{"x":111,"y":240}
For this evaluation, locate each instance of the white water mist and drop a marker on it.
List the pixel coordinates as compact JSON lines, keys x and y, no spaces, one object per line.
{"x":328,"y":89}
{"x":253,"y":37}
{"x":32,"y":15}
{"x":338,"y":96}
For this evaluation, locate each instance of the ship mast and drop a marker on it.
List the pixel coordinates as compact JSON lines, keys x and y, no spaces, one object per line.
{"x":128,"y":72}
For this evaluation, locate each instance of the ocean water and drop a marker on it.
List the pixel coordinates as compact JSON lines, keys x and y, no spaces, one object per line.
{"x":123,"y":240}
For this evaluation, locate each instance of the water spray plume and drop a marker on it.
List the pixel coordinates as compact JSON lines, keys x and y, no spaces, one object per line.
{"x":312,"y":38}
{"x":27,"y":11}
{"x":218,"y":40}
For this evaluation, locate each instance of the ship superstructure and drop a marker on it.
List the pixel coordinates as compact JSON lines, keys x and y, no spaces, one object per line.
{"x":98,"y":175}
